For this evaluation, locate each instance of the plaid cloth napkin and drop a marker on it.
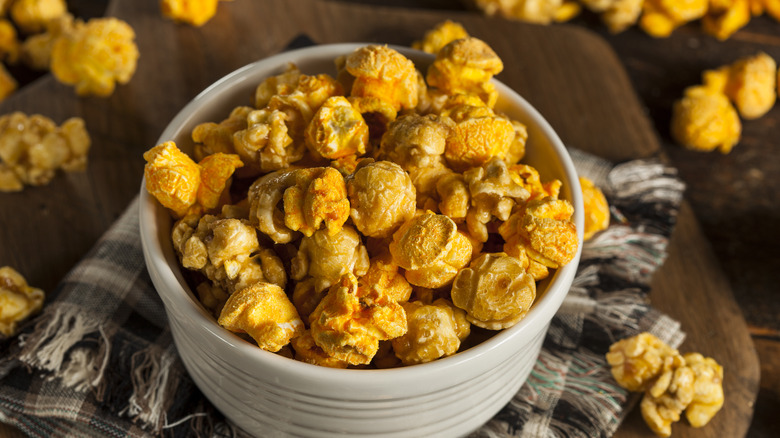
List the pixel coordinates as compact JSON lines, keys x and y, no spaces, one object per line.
{"x":100,"y":361}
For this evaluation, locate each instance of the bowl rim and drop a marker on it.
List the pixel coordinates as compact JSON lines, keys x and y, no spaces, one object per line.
{"x":183,"y":297}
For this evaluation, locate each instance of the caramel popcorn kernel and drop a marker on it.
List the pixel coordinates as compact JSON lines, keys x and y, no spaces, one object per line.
{"x":432,"y":332}
{"x":495,"y":291}
{"x":382,"y":198}
{"x":638,"y":360}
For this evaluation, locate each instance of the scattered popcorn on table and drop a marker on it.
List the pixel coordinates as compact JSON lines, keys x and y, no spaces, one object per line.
{"x":596,"y":208}
{"x":194,"y":12}
{"x":364,"y":198}
{"x":31,"y":16}
{"x":724,"y":17}
{"x":751,"y":85}
{"x":33,"y":148}
{"x":672,"y":383}
{"x":95,"y":56}
{"x":18,"y":300}
{"x":705,"y":120}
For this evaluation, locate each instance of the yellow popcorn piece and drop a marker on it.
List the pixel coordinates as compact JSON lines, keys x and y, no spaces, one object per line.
{"x":337,"y":130}
{"x":172,"y":177}
{"x":215,"y":173}
{"x":18,"y":300}
{"x":724,"y":17}
{"x":431,"y":250}
{"x":382,"y":73}
{"x":34,"y":148}
{"x":661,"y":17}
{"x":495,"y":291}
{"x":477,"y":135}
{"x":667,"y":398}
{"x":751,"y":85}
{"x":441,"y":35}
{"x":637,"y":361}
{"x":264,"y":312}
{"x":95,"y":56}
{"x":318,"y":198}
{"x":596,"y":208}
{"x":351,"y":320}
{"x":465,"y":66}
{"x":705,"y":120}
{"x":433,"y":331}
{"x":194,"y":12}
{"x":382,"y":198}
{"x":306,"y":350}
{"x":707,"y":389}
{"x":32,"y":15}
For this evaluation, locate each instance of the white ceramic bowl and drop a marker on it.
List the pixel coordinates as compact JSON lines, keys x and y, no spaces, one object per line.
{"x":270,"y":395}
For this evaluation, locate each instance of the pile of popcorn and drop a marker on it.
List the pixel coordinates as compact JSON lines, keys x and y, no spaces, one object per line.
{"x":367,"y":219}
{"x":658,"y":18}
{"x":672,"y":383}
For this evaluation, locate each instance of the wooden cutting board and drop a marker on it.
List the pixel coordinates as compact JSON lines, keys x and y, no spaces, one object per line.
{"x":569,"y":74}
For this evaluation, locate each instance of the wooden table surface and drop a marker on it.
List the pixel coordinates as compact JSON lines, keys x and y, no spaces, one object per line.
{"x":731,"y":204}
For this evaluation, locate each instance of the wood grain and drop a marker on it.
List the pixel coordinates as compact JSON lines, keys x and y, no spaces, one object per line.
{"x":569,"y":74}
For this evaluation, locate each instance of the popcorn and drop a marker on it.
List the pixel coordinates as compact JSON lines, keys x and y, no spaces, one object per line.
{"x":226,"y":251}
{"x":433,"y":331}
{"x":18,"y":300}
{"x":31,"y":16}
{"x":95,"y":56}
{"x":328,"y":257}
{"x":495,"y":291}
{"x":33,"y":148}
{"x":312,"y":198}
{"x":596,"y":208}
{"x":751,"y":85}
{"x":381,"y":197}
{"x":186,"y":187}
{"x":705,"y":120}
{"x":306,"y":350}
{"x":383,"y":73}
{"x":466,"y":66}
{"x":441,"y":35}
{"x":431,"y":249}
{"x":533,"y":11}
{"x":672,"y":383}
{"x":264,"y":312}
{"x":9,"y":42}
{"x":337,"y":130}
{"x":351,"y":320}
{"x":477,"y":135}
{"x":724,"y":17}
{"x":194,"y":12}
{"x":707,"y":389}
{"x":661,"y":17}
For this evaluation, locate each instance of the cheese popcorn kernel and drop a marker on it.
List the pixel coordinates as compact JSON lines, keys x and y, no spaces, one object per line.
{"x":18,"y":300}
{"x":638,"y":360}
{"x":705,"y":120}
{"x":32,"y":15}
{"x":95,"y":56}
{"x":596,"y":208}
{"x":441,"y":35}
{"x":466,"y":66}
{"x":194,"y":12}
{"x":351,"y":320}
{"x":264,"y":312}
{"x":33,"y":148}
{"x":337,"y":130}
{"x":751,"y":85}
